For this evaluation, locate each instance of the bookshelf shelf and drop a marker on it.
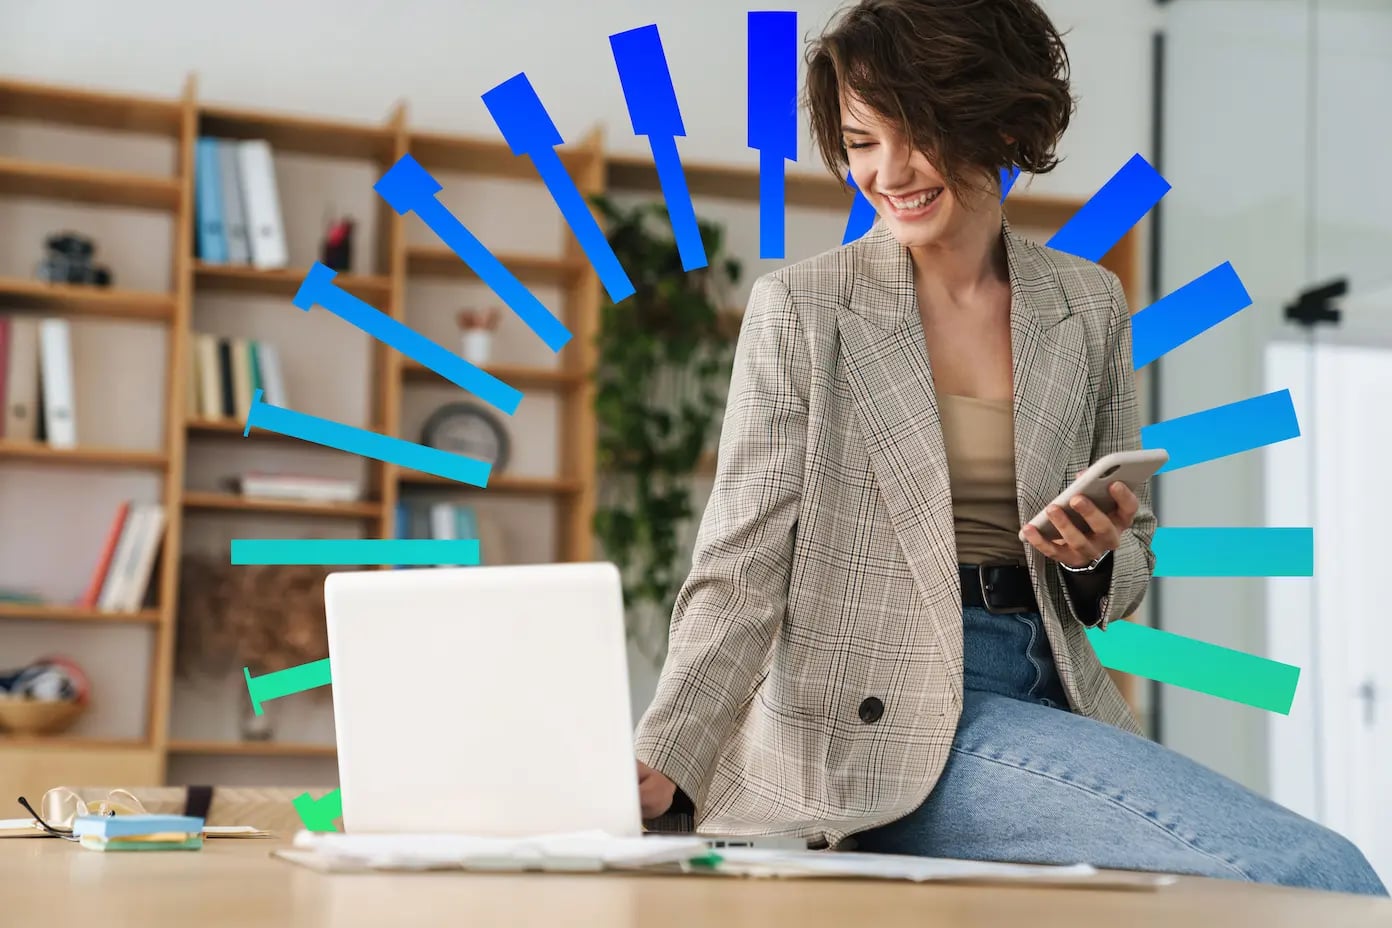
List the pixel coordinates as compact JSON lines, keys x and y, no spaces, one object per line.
{"x":519,"y":376}
{"x":89,"y":109}
{"x":252,"y":749}
{"x":231,"y":428}
{"x":438,"y":152}
{"x":98,"y":457}
{"x":72,"y":742}
{"x":21,"y":294}
{"x":232,"y":278}
{"x":502,"y":483}
{"x":227,"y":502}
{"x":728,"y":182}
{"x":432,"y":261}
{"x":88,"y":185}
{"x":54,"y":612}
{"x":301,"y":134}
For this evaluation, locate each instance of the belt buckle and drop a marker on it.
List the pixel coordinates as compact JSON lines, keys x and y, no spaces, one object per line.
{"x":986,"y":593}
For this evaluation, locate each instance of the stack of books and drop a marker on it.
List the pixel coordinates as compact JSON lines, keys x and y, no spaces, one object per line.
{"x":139,"y":832}
{"x":225,"y":372}
{"x":121,"y":578}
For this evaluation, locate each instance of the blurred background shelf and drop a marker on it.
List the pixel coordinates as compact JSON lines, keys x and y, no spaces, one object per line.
{"x":96,"y":457}
{"x":252,"y":749}
{"x":229,"y":278}
{"x":89,"y":185}
{"x":519,"y":376}
{"x":72,"y":299}
{"x":55,"y":612}
{"x":227,"y":502}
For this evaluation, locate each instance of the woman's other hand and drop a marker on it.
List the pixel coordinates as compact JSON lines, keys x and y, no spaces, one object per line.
{"x":655,"y":791}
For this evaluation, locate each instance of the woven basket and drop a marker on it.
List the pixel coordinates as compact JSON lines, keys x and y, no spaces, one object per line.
{"x":268,"y":808}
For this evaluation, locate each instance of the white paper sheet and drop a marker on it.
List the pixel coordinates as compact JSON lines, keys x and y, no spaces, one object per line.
{"x":580,"y":851}
{"x":757,"y":862}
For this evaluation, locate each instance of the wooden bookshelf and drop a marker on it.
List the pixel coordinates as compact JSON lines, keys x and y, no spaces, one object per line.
{"x":441,"y":261}
{"x":87,"y":185}
{"x":228,"y":278}
{"x":37,"y":453}
{"x":252,"y":749}
{"x":572,"y":490}
{"x":227,"y":502}
{"x":231,"y":428}
{"x":521,"y":377}
{"x":50,"y":612}
{"x":71,"y":299}
{"x":499,"y":483}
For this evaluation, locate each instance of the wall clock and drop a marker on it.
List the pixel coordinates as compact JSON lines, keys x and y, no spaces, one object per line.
{"x":470,"y":429}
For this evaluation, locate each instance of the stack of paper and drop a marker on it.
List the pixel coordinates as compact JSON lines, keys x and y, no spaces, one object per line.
{"x":335,"y":852}
{"x":758,"y":862}
{"x":596,"y":851}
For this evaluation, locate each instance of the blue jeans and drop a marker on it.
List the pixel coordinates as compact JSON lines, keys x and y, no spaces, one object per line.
{"x":1028,"y":781}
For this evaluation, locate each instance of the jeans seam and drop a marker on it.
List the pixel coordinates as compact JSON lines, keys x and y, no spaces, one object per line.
{"x":1118,"y":804}
{"x":1029,"y":656}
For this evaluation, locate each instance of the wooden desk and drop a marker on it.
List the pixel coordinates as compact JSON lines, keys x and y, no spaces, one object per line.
{"x":236,"y":883}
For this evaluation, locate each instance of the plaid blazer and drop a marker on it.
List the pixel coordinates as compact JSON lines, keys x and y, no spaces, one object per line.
{"x":824,"y":569}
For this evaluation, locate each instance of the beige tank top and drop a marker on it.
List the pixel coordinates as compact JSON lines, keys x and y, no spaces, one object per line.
{"x":980,"y":439}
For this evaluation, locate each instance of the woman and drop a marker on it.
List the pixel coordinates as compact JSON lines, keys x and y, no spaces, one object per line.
{"x":869,"y":652}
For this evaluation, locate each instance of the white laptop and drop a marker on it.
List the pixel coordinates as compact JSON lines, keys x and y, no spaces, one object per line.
{"x":489,"y":701}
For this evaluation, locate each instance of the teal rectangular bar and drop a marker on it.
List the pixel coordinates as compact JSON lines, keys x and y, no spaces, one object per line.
{"x":356,"y":551}
{"x":1234,"y":552}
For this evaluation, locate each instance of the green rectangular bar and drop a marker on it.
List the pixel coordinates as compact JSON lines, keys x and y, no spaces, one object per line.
{"x":1206,"y":668}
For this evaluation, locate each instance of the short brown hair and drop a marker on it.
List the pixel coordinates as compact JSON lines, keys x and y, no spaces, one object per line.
{"x":955,"y":77}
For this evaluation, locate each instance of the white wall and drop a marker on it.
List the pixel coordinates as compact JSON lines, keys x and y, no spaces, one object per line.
{"x":1240,"y":144}
{"x":440,"y":56}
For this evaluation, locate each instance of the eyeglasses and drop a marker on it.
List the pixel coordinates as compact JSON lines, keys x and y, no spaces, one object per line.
{"x":45,"y":825}
{"x":64,"y":807}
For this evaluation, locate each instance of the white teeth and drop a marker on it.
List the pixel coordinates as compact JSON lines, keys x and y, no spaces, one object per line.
{"x":917,"y":202}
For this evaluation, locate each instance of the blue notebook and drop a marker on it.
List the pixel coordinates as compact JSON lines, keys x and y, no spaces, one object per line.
{"x":123,"y":826}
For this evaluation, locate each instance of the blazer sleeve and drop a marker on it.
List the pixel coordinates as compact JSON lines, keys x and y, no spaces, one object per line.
{"x":1118,"y":429}
{"x":732,"y":602}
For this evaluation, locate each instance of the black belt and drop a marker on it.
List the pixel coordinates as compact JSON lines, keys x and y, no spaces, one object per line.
{"x":999,"y":588}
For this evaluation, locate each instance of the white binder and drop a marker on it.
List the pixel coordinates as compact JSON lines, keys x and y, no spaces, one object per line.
{"x":261,"y":203}
{"x":233,"y":211}
{"x":56,"y":373}
{"x":22,"y":384}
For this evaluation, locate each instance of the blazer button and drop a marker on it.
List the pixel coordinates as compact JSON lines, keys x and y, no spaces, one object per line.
{"x":871,"y":710}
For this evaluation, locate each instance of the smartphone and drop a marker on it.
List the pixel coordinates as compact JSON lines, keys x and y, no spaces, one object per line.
{"x":1132,"y":468}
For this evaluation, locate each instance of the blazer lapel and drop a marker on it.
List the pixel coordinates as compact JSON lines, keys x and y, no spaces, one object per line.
{"x":886,"y":361}
{"x":890,"y":377}
{"x":1049,"y":360}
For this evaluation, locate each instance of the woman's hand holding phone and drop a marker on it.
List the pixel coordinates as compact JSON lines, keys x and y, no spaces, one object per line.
{"x":1074,"y":547}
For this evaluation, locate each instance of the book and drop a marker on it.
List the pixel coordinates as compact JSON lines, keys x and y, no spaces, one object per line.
{"x":113,"y":536}
{"x":212,"y":236}
{"x":139,"y":832}
{"x":126,"y":826}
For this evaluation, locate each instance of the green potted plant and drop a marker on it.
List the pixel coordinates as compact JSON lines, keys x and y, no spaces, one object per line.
{"x":662,"y":369}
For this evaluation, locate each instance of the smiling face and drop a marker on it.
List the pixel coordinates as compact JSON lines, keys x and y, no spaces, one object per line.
{"x":908,"y":192}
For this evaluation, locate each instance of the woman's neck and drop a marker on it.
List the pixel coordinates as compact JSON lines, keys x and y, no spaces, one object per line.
{"x":955,"y":270}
